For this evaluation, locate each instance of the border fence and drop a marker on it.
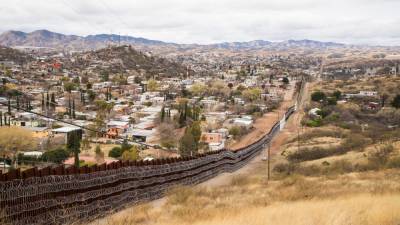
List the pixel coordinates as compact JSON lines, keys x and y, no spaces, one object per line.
{"x":63,"y":195}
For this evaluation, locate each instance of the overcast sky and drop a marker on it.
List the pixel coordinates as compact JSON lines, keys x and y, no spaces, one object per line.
{"x":209,"y":21}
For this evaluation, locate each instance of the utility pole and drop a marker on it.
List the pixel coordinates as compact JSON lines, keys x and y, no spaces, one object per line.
{"x":298,"y":139}
{"x":269,"y":159}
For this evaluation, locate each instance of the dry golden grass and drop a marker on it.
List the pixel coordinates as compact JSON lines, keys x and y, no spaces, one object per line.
{"x":356,"y":198}
{"x":363,"y":209}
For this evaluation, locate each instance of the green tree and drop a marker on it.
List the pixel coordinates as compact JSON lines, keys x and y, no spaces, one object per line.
{"x":74,"y":146}
{"x":125,"y":145}
{"x":285,"y":80}
{"x":91,"y":95}
{"x":115,"y":152}
{"x":69,"y":87}
{"x":162,"y":114}
{"x":337,"y":94}
{"x":152,"y":85}
{"x":318,"y":96}
{"x":195,"y":129}
{"x":58,"y":155}
{"x":187,"y":144}
{"x":131,"y":155}
{"x":252,"y":94}
{"x":198,"y":89}
{"x":396,"y":101}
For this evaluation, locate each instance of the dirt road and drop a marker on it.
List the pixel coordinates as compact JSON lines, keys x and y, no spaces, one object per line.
{"x":264,"y":124}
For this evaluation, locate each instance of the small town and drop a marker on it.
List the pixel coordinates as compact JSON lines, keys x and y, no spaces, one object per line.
{"x":211,"y":113}
{"x":52,"y":98}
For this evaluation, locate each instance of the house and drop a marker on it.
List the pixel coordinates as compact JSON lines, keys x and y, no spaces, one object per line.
{"x":65,"y":132}
{"x":215,"y":117}
{"x":238,"y":101}
{"x":215,"y":140}
{"x":116,"y":128}
{"x":141,"y":135}
{"x":216,"y":146}
{"x":208,"y":103}
{"x":211,"y":137}
{"x":243,"y":122}
{"x":113,"y":133}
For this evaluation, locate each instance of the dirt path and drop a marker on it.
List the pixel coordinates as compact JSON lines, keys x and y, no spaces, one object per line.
{"x":264,"y":124}
{"x":291,"y":128}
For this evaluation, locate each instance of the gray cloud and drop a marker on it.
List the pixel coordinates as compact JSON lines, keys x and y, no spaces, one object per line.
{"x":206,"y":21}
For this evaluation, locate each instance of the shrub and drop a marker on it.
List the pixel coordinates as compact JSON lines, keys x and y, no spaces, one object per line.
{"x":381,"y":156}
{"x":396,"y":102}
{"x":332,"y":117}
{"x":57,"y":155}
{"x":332,"y":101}
{"x":323,"y":113}
{"x":235,"y":131}
{"x":316,"y":133}
{"x":318,"y":96}
{"x":115,"y":152}
{"x":307,"y":154}
{"x":354,"y":142}
{"x":337,"y":94}
{"x":284,"y":168}
{"x":131,"y":154}
{"x":341,"y":166}
{"x":394,"y":162}
{"x":314,"y":123}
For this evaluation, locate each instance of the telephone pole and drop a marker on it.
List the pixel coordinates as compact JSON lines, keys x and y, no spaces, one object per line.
{"x":269,"y":159}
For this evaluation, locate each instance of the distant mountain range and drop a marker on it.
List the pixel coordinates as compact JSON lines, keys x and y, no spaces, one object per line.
{"x":45,"y":38}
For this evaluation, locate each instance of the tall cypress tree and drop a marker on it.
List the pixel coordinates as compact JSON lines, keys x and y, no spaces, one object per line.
{"x":9,"y":106}
{"x":69,"y":108}
{"x":42,"y":102}
{"x":53,"y":101}
{"x":47,"y":100}
{"x":162,"y":114}
{"x":74,"y":146}
{"x":73,"y":108}
{"x":17,"y":102}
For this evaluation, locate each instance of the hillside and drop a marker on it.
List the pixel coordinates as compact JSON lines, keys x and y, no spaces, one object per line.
{"x":9,"y":54}
{"x":45,"y":38}
{"x":127,"y":58}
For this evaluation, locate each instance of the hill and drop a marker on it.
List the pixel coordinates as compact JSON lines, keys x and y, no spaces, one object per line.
{"x":124,"y":58}
{"x":9,"y":54}
{"x":45,"y":38}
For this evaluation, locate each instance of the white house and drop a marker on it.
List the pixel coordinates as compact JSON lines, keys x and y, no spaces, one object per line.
{"x":243,"y":122}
